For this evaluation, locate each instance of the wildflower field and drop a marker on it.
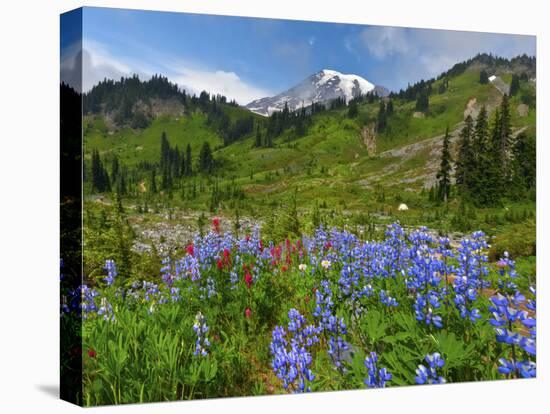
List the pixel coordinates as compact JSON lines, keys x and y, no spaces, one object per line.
{"x":237,"y":316}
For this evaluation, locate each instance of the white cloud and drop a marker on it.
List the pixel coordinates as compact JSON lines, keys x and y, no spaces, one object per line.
{"x":385,"y":41}
{"x":411,"y":54}
{"x":218,"y":82}
{"x":99,"y":63}
{"x":70,"y":66}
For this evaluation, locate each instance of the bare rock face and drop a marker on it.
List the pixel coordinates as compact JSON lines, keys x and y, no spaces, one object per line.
{"x":157,"y":107}
{"x":523,"y":110}
{"x":472,"y":109}
{"x":368,"y":136}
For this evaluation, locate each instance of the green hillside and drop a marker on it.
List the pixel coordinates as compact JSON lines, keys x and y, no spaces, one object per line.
{"x":333,"y":167}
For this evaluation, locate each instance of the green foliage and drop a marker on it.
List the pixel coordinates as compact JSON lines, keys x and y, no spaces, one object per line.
{"x":206,"y":160}
{"x":444,"y":173}
{"x":422,"y":102}
{"x":483,"y":77}
{"x":514,"y":86}
{"x":108,"y":234}
{"x":516,"y":239}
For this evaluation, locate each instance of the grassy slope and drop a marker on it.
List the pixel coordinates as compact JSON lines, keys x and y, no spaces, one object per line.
{"x":329,"y":164}
{"x":133,"y":146}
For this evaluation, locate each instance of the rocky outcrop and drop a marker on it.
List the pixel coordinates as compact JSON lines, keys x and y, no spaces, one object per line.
{"x":368,"y":137}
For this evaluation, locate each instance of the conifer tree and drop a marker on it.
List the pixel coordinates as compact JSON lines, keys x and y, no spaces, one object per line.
{"x":505,"y":138}
{"x":514,"y":85}
{"x":114,"y":168}
{"x":524,"y":173}
{"x":153,"y":180}
{"x":258,"y":142}
{"x":480,"y":135}
{"x":100,"y":176}
{"x":422,"y":101}
{"x":465,"y":159}
{"x":483,"y":77}
{"x":352,"y":109}
{"x":444,"y":173}
{"x":492,"y":168}
{"x":188,"y":161}
{"x":206,"y":160}
{"x":389,"y":107}
{"x":381,"y":119}
{"x":164,"y":151}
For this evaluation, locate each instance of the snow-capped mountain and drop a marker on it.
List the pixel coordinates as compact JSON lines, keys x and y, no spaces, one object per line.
{"x":319,"y":87}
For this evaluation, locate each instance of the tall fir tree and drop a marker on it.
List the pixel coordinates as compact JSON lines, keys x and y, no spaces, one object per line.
{"x":100,"y":177}
{"x":524,"y":173}
{"x":505,"y":138}
{"x":483,"y":77}
{"x":514,"y":85}
{"x":445,"y":169}
{"x":352,"y":109}
{"x":382,"y":118}
{"x":389,"y":107}
{"x":423,"y":101}
{"x":153,"y":181}
{"x":188,"y":161}
{"x":258,"y":142}
{"x":465,"y":163}
{"x":164,"y":151}
{"x":206,"y":160}
{"x":479,"y":144}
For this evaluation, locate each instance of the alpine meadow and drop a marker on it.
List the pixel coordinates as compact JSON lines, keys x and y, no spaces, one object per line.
{"x":249,"y":230}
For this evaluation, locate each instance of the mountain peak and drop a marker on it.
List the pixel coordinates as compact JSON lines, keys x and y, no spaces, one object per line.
{"x":323,"y":86}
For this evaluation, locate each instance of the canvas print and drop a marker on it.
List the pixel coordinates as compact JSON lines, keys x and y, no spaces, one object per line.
{"x":258,"y":206}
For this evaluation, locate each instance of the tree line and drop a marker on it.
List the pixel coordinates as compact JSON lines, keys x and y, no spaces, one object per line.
{"x":491,"y":163}
{"x":173,"y":165}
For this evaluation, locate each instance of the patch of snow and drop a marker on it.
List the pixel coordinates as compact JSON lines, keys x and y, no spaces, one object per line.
{"x":347,"y":82}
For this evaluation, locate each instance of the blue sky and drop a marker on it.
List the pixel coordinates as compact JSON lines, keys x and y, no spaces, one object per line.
{"x":248,"y":58}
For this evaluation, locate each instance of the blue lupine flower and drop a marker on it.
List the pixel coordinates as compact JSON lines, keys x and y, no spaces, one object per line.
{"x":292,"y":365}
{"x":423,"y":309}
{"x":377,"y":378}
{"x":526,"y":369}
{"x":505,"y":314}
{"x":87,"y":303}
{"x":328,"y":321}
{"x":61,"y":266}
{"x":201,"y":329}
{"x":106,"y":310}
{"x":430,"y":374}
{"x":387,"y":300}
{"x":110,"y":267}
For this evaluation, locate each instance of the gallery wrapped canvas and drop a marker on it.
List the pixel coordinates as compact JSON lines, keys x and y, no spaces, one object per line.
{"x":257,"y":206}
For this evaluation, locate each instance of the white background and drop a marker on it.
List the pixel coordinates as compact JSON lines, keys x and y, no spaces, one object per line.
{"x":29,"y":188}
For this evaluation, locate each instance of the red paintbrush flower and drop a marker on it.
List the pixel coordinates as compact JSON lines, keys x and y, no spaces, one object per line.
{"x":248,"y":280}
{"x":284,"y":268}
{"x":247,"y":312}
{"x":216,"y":224}
{"x":226,"y":257}
{"x":220,"y":264}
{"x":191,"y":250}
{"x":92,"y":353}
